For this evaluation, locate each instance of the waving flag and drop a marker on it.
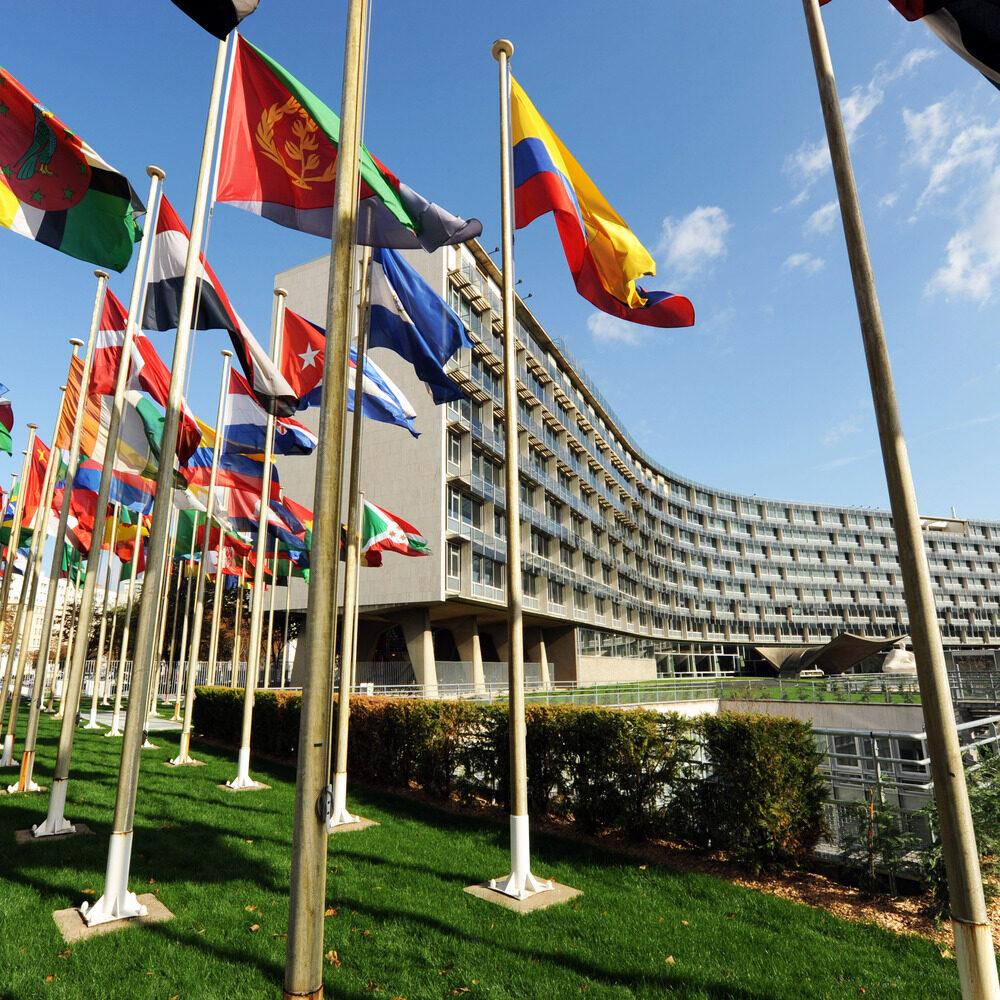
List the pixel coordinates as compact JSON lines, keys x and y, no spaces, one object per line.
{"x":218,"y":17}
{"x":410,"y":318}
{"x":385,"y":532}
{"x":279,"y":160}
{"x":56,"y":190}
{"x":380,"y":398}
{"x":215,"y":312}
{"x":246,"y":425}
{"x":303,"y":346}
{"x":603,"y":254}
{"x":148,"y":371}
{"x":6,"y":422}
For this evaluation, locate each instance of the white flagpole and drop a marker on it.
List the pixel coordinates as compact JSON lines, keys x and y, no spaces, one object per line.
{"x":243,"y":781}
{"x":284,"y":643}
{"x":270,"y":619}
{"x":974,"y":952}
{"x":234,"y":674}
{"x":68,"y":658}
{"x":172,"y":654}
{"x":59,"y":633}
{"x":304,"y":951}
{"x":55,"y":822}
{"x":8,"y":575}
{"x":218,"y":594}
{"x":193,"y":658}
{"x":126,"y":633}
{"x":103,"y":631}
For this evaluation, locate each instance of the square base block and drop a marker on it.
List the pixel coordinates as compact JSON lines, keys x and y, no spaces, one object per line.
{"x":74,"y":928}
{"x":539,"y":901}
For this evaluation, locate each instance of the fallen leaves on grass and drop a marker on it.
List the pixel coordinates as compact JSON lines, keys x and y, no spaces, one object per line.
{"x":670,"y":960}
{"x":65,"y":953}
{"x":50,"y":979}
{"x":330,"y":911}
{"x":333,"y":959}
{"x":254,"y":928}
{"x":250,"y":908}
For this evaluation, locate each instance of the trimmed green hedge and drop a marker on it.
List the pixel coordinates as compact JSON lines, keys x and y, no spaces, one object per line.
{"x":748,"y":785}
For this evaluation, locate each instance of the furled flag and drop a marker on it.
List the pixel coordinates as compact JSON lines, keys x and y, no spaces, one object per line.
{"x":56,"y":190}
{"x":218,"y":17}
{"x":33,"y":487}
{"x":969,"y":27}
{"x":215,"y":312}
{"x":385,"y":532}
{"x":603,"y":254}
{"x":303,"y":345}
{"x":279,"y":160}
{"x":410,"y":318}
{"x":6,"y":422}
{"x":148,"y":372}
{"x":246,"y":430}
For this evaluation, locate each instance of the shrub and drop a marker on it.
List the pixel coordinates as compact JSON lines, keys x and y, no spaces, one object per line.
{"x":748,"y":785}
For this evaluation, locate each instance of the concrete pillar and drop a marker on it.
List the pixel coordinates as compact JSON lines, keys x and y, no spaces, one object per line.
{"x":466,"y":632}
{"x":420,"y":645}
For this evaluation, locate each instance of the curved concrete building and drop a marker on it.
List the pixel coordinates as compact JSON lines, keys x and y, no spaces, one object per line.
{"x":629,"y":569}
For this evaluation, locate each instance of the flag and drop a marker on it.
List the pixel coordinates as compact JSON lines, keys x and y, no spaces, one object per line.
{"x":279,"y":160}
{"x":217,"y":17}
{"x":33,"y":487}
{"x":214,"y":312}
{"x":6,"y":422}
{"x":148,"y":372}
{"x":56,"y":190}
{"x":236,"y":470}
{"x":385,"y":532}
{"x":603,"y":254}
{"x":134,"y":492}
{"x":410,"y":318}
{"x":245,"y":516}
{"x":303,"y":347}
{"x":246,"y":431}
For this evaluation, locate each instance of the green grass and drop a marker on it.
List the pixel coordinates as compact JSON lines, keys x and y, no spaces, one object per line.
{"x":403,"y":927}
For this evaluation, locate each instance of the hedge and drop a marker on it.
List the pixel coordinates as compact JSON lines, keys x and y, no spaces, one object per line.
{"x":746,"y":785}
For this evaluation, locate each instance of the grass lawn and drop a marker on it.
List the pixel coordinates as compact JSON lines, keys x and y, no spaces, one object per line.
{"x":402,"y":926}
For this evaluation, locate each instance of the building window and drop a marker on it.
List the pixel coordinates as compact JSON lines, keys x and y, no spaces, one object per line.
{"x":566,"y":555}
{"x":487,"y":571}
{"x":530,"y":584}
{"x":527,"y":494}
{"x":556,"y":592}
{"x":553,"y":510}
{"x":499,"y":524}
{"x":454,"y":564}
{"x":579,"y":599}
{"x":454,"y":449}
{"x":539,"y":543}
{"x":599,"y":606}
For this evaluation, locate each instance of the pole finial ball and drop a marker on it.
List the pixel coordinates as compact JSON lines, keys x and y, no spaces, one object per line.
{"x":502,"y":46}
{"x":154,"y":171}
{"x":281,"y":292}
{"x":76,"y":342}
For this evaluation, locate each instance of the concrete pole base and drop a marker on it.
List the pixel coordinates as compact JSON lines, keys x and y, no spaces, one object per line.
{"x":184,"y":758}
{"x":7,"y":758}
{"x":339,"y":816}
{"x":176,"y":717}
{"x":19,"y":787}
{"x":147,"y":744}
{"x":977,"y":967}
{"x":59,"y":715}
{"x":243,"y":779}
{"x":55,"y":823}
{"x":117,"y":903}
{"x":520,"y":883}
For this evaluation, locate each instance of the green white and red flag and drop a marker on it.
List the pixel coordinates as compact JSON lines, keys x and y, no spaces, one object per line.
{"x":382,"y":531}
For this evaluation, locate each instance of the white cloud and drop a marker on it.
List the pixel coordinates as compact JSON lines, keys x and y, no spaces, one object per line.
{"x":823,"y":219}
{"x":973,"y":253}
{"x":692,"y":243}
{"x":888,"y":200}
{"x":838,"y":432}
{"x":974,"y":146}
{"x":607,"y":329}
{"x":804,"y":262}
{"x":926,"y":132}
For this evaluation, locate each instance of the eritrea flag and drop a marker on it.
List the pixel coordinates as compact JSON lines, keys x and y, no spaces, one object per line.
{"x":279,"y":160}
{"x":56,"y":190}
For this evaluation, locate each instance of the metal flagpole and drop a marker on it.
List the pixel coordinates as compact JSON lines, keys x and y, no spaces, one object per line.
{"x":111,"y":681}
{"x":59,"y":631}
{"x":313,"y":798}
{"x":238,"y":627}
{"x":218,"y":594}
{"x":284,"y":643}
{"x":12,"y":543}
{"x":24,"y":782}
{"x":34,"y":569}
{"x":520,"y":883}
{"x":126,"y":632}
{"x":179,"y":577}
{"x":243,"y":781}
{"x":270,"y":619}
{"x":68,"y":658}
{"x":162,"y":616}
{"x":339,"y":815}
{"x":102,"y":632}
{"x":970,"y":922}
{"x":117,"y":901}
{"x":185,"y":627}
{"x":184,"y":751}
{"x":55,"y":822}
{"x":119,"y":679}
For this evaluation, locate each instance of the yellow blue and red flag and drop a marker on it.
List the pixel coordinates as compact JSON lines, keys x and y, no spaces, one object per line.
{"x":604,"y":255}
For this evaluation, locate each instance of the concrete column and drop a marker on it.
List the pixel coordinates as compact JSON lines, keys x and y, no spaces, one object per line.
{"x":466,"y":634}
{"x":420,"y":645}
{"x":543,"y":660}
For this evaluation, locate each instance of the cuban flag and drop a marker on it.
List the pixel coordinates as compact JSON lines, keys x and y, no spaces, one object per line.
{"x":214,"y":311}
{"x":410,"y":318}
{"x":246,"y":425}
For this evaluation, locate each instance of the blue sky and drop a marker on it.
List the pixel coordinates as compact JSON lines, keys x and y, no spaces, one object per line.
{"x":701,"y":124}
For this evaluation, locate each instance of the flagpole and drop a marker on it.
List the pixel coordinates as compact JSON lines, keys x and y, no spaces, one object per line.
{"x":270,"y":618}
{"x":103,"y":631}
{"x":65,"y":612}
{"x":67,"y":659}
{"x":179,"y":576}
{"x":8,"y":569}
{"x":970,"y":921}
{"x":288,"y":606}
{"x":161,"y":604}
{"x":243,"y":781}
{"x":126,"y":633}
{"x":109,"y":679}
{"x":117,"y":902}
{"x":218,"y":595}
{"x":339,"y":815}
{"x":119,"y":681}
{"x":184,"y":751}
{"x":234,"y":674}
{"x":304,"y":951}
{"x":520,"y":883}
{"x":15,"y":532}
{"x":38,"y":538}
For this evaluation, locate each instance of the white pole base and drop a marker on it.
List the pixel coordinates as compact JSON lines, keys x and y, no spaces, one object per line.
{"x":520,"y":883}
{"x":117,"y":903}
{"x":339,"y":816}
{"x":243,"y":779}
{"x":7,"y":759}
{"x":55,"y":823}
{"x":93,"y":724}
{"x":30,"y":786}
{"x":148,"y":745}
{"x":59,"y":715}
{"x":184,"y":758}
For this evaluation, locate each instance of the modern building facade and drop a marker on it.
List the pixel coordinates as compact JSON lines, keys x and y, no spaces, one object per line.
{"x":629,"y":569}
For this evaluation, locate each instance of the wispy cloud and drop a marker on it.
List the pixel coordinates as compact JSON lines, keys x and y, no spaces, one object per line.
{"x":840,"y":463}
{"x":822,"y":220}
{"x":844,"y":429}
{"x":690,"y":244}
{"x":804,"y":262}
{"x":605,"y":329}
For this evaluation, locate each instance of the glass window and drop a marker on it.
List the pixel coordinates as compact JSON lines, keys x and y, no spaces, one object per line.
{"x":454,"y":449}
{"x":556,"y":592}
{"x":454,"y":562}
